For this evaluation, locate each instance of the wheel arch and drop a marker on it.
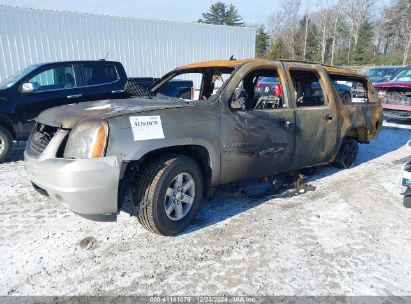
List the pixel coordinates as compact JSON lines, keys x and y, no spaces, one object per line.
{"x":360,"y":134}
{"x":197,"y":152}
{"x":7,"y":123}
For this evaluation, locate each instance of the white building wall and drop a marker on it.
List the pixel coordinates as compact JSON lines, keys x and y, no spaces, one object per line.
{"x":145,"y":47}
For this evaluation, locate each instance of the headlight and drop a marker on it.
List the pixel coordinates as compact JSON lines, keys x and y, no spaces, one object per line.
{"x":88,"y":139}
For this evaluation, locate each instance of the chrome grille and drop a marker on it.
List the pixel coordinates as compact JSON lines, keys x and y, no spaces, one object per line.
{"x":40,"y":139}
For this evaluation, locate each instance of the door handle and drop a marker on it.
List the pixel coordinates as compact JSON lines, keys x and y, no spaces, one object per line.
{"x":74,"y":96}
{"x":287,"y":123}
{"x":328,"y":117}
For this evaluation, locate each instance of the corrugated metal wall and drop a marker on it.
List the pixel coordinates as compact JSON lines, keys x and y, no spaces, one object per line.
{"x":145,"y":47}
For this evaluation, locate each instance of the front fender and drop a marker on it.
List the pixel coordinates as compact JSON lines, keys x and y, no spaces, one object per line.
{"x":201,"y":132}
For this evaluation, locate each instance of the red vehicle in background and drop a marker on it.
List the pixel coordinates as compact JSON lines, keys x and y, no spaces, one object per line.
{"x":396,"y":95}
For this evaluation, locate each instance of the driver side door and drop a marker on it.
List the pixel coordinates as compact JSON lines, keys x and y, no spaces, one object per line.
{"x":256,"y":141}
{"x":55,"y":86}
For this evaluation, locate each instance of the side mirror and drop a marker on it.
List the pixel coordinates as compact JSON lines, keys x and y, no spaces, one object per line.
{"x":28,"y":88}
{"x":387,"y":78}
{"x":409,"y":145}
{"x":239,"y":98}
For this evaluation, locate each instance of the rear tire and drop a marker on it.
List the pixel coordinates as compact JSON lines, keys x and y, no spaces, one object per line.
{"x":168,"y":194}
{"x":347,"y":154}
{"x":6,"y":144}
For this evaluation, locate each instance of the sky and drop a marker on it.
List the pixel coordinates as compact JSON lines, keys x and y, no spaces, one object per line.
{"x":252,"y":11}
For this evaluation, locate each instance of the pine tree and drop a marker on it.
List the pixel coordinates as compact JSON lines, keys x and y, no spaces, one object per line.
{"x":306,"y":37}
{"x":363,"y":52}
{"x":261,"y":42}
{"x":278,"y":50}
{"x":232,"y":17}
{"x":222,"y":14}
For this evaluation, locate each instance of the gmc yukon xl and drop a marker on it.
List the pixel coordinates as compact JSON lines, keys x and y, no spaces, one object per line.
{"x":169,"y":152}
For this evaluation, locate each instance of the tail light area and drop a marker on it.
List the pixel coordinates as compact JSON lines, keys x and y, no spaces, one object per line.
{"x":278,"y":91}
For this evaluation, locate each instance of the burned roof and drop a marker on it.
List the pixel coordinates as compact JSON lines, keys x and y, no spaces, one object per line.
{"x":237,"y":63}
{"x":218,"y":64}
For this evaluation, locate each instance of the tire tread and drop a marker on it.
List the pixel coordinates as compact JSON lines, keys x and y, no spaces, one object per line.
{"x":147,"y":181}
{"x":9,"y":145}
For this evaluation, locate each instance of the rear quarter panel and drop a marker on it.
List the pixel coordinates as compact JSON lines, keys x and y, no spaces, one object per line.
{"x":362,"y":119}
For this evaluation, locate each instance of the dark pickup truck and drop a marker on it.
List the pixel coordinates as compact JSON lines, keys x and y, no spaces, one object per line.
{"x":38,"y":87}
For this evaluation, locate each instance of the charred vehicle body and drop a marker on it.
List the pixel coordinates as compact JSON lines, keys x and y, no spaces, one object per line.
{"x":169,"y":152}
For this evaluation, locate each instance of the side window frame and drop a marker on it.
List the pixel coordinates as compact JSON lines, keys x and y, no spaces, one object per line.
{"x":235,"y":82}
{"x":49,"y":67}
{"x":83,"y":74}
{"x":370,"y":92}
{"x":323,"y":84}
{"x":174,"y":75}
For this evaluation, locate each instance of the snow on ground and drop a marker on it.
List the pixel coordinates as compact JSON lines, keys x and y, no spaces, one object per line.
{"x":350,"y":236}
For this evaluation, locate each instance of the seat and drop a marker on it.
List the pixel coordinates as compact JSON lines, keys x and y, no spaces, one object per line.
{"x":68,"y":81}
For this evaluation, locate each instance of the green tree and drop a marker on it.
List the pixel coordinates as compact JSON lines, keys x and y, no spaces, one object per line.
{"x":261,"y":42}
{"x":222,"y":14}
{"x":364,"y":50}
{"x":233,"y":18}
{"x":278,"y":49}
{"x":306,"y":38}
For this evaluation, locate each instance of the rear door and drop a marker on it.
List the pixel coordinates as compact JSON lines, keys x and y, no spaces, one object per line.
{"x":316,"y":114}
{"x":55,"y":85}
{"x":101,"y":80}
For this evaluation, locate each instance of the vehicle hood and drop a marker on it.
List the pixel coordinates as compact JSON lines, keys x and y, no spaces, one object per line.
{"x":402,"y":84}
{"x":68,"y":115}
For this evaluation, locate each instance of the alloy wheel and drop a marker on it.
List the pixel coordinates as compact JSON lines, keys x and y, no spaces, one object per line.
{"x":180,"y":196}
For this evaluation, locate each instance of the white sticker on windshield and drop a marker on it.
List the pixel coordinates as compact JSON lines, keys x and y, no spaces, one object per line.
{"x":146,"y":127}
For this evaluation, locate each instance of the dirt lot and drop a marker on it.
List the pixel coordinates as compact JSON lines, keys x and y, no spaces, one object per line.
{"x":349,"y":236}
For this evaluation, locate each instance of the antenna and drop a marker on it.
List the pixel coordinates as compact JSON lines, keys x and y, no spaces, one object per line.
{"x":106,"y":55}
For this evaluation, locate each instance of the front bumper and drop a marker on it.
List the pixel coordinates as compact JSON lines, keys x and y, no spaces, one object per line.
{"x":397,"y":111}
{"x":85,"y":186}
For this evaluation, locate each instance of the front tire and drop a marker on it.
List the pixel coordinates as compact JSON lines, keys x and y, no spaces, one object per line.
{"x":347,"y":154}
{"x":168,"y":194}
{"x":6,"y":144}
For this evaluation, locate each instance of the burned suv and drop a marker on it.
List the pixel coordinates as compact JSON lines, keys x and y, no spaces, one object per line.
{"x":169,"y":152}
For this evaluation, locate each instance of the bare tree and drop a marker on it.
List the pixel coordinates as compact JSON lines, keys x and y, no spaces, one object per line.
{"x":305,"y":36}
{"x":334,"y":37}
{"x":290,"y":13}
{"x":356,"y":11}
{"x":395,"y":29}
{"x":407,"y":49}
{"x":326,"y":20}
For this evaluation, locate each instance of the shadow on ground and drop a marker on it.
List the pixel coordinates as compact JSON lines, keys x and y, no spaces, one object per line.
{"x":231,"y":200}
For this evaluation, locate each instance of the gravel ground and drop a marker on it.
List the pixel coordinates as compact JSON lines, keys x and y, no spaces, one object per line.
{"x":350,"y":236}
